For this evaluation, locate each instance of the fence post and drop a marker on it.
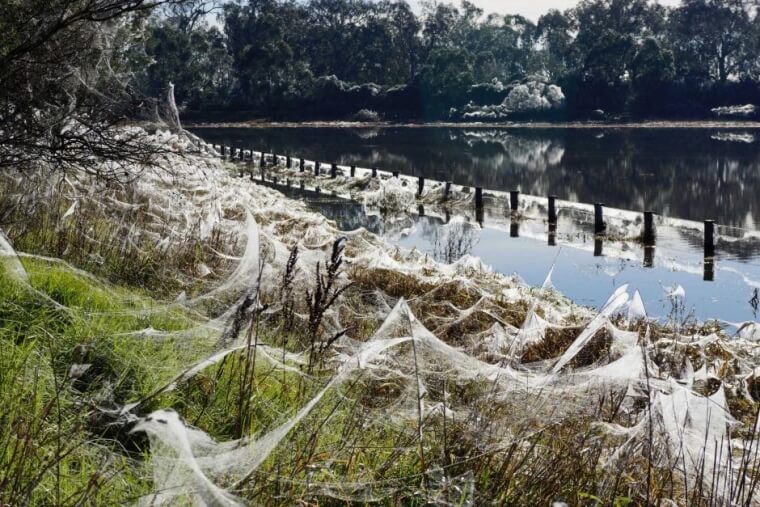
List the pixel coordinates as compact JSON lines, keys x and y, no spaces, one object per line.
{"x":479,"y":197}
{"x":420,"y":185}
{"x":374,"y":172}
{"x":514,"y":198}
{"x":649,"y":231}
{"x":553,"y":209}
{"x":447,"y":190}
{"x":709,"y":238}
{"x":301,"y":165}
{"x":353,"y":171}
{"x":333,"y":171}
{"x":287,"y":161}
{"x":599,"y":225}
{"x":262,"y":160}
{"x":316,"y":169}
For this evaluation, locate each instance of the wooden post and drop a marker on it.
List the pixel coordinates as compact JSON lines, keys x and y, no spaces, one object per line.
{"x":333,"y":171}
{"x":553,"y":209}
{"x":317,"y":189}
{"x":447,"y":190}
{"x":709,"y":238}
{"x":514,"y":229}
{"x":648,"y":256}
{"x":222,"y":151}
{"x":287,"y":161}
{"x":353,"y":171}
{"x":709,"y":272}
{"x":599,"y":225}
{"x":251,"y":170}
{"x":649,"y":232}
{"x":421,"y":210}
{"x":552,"y":234}
{"x":514,"y":199}
{"x":301,"y":165}
{"x":598,"y":247}
{"x":479,"y":197}
{"x":302,"y":185}
{"x":395,"y":174}
{"x":262,"y":160}
{"x":420,"y":185}
{"x":374,"y":172}
{"x":274,"y":180}
{"x":316,"y":169}
{"x":287,"y":182}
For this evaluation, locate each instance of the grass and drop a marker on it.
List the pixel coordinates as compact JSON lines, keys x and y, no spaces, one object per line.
{"x":468,"y":442}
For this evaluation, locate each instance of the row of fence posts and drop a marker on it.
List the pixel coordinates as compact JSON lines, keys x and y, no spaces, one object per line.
{"x":649,"y":236}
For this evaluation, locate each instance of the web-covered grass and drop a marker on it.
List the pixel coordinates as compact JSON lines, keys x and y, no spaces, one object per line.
{"x":189,"y":338}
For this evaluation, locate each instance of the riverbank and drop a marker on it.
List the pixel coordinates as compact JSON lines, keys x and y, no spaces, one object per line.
{"x":701,"y":124}
{"x":277,"y":359}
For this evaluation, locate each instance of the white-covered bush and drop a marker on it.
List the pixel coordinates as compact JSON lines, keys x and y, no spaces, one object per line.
{"x":529,"y":97}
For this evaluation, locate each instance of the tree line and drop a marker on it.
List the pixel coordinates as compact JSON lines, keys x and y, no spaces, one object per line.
{"x":333,"y":58}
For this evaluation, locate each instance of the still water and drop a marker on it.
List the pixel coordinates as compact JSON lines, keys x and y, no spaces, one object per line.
{"x":691,"y":174}
{"x":695,"y":174}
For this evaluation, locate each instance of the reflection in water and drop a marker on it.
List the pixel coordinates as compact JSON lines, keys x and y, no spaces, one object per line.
{"x":685,"y":173}
{"x":451,"y":241}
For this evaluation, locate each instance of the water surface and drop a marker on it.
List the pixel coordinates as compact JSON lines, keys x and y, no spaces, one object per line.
{"x":689,"y":173}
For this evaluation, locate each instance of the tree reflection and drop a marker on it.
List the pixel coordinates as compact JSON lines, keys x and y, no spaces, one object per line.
{"x":450,"y":242}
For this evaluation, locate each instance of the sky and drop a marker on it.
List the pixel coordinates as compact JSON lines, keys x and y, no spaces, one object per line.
{"x":531,"y":9}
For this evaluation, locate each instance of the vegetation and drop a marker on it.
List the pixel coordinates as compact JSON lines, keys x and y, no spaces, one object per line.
{"x":75,"y":350}
{"x":333,"y":58}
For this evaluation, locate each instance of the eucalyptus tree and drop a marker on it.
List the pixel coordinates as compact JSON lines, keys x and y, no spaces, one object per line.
{"x":711,"y":38}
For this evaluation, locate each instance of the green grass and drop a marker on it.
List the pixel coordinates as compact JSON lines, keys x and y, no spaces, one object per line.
{"x":50,"y":449}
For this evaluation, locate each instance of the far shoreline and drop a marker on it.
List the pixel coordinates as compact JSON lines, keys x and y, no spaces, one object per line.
{"x":645,"y":124}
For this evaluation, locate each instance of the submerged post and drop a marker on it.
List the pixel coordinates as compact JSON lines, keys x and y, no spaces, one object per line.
{"x":514,"y":229}
{"x":479,"y":197}
{"x":514,"y":199}
{"x":649,"y":232}
{"x":598,"y":247}
{"x":599,"y":225}
{"x":420,"y":185}
{"x":709,"y":238}
{"x":553,"y":209}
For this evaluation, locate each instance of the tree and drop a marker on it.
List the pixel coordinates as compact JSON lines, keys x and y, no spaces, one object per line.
{"x":65,"y":85}
{"x":191,"y":55}
{"x":710,"y":37}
